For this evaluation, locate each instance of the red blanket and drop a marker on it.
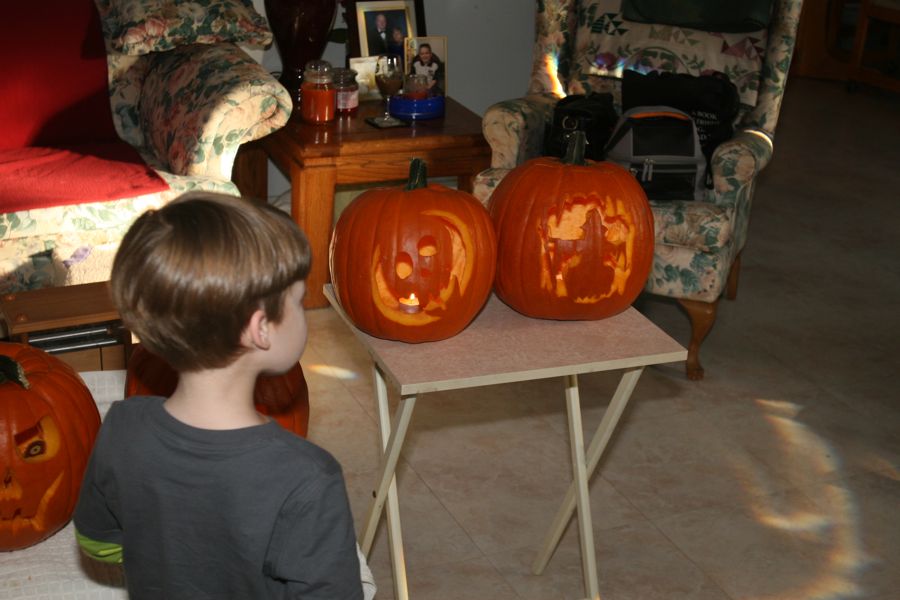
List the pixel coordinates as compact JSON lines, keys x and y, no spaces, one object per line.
{"x":40,"y":177}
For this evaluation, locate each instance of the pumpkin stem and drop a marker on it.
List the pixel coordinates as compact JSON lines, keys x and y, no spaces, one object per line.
{"x":418,"y":175}
{"x":575,"y":149}
{"x":10,"y":370}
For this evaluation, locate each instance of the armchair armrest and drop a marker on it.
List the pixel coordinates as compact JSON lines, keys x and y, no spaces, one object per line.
{"x":515,"y":128}
{"x":735,"y":165}
{"x":199,"y":103}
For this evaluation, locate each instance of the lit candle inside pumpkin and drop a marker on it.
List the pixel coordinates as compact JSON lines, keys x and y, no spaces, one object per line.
{"x":410,"y":304}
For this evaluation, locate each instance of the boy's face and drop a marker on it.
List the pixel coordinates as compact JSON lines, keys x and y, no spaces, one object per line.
{"x":288,"y":338}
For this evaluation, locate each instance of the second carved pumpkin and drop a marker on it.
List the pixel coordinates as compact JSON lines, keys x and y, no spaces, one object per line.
{"x":575,"y":238}
{"x":414,"y":263}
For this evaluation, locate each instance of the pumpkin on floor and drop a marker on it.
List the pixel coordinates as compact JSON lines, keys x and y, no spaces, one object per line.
{"x":414,"y":263}
{"x":284,"y":398}
{"x":574,"y":237}
{"x":48,"y":423}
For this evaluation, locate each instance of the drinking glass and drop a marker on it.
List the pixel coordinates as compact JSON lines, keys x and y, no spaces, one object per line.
{"x":389,"y":78}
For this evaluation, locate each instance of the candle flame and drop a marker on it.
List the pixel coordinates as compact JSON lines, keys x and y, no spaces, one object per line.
{"x":411,"y":301}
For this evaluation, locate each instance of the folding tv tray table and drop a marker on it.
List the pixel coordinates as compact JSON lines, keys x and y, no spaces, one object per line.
{"x":503,"y":346}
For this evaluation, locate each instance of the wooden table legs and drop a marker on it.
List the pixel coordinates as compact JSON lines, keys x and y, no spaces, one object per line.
{"x":312,"y":206}
{"x":577,"y":498}
{"x":584,"y":466}
{"x":386,"y":491}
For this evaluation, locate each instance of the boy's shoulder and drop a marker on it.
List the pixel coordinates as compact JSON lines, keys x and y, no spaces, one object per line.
{"x":131,"y":408}
{"x":300,"y":452}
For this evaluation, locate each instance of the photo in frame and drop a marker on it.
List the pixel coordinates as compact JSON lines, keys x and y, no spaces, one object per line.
{"x":427,"y":55}
{"x":365,"y":77}
{"x":380,"y":26}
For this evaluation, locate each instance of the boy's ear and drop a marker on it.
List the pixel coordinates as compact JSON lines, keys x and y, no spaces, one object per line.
{"x":257,"y":331}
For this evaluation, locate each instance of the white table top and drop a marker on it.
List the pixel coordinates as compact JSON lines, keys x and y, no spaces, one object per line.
{"x":502,"y":346}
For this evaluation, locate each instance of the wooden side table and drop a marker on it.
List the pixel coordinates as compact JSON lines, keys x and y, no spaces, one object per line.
{"x":316,"y":158}
{"x":502,"y":346}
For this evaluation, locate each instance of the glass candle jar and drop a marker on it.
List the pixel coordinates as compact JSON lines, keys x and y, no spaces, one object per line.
{"x":416,"y":87}
{"x":346,"y":92}
{"x":317,"y":93}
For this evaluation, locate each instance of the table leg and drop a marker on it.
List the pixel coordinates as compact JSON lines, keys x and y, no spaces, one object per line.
{"x":386,"y":492}
{"x":312,"y":206}
{"x":580,"y":482}
{"x":250,"y":172}
{"x":595,"y":451}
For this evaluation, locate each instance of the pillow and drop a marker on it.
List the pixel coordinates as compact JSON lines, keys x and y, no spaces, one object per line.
{"x":605,"y":43}
{"x":143,"y":26}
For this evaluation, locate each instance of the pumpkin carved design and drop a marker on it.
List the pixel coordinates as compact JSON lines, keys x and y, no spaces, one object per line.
{"x":413,"y":264}
{"x":575,"y":238}
{"x":48,"y":424}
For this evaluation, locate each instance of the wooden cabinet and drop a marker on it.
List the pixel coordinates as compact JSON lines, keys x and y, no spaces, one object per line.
{"x":77,"y":323}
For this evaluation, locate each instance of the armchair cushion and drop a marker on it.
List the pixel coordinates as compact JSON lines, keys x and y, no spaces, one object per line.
{"x":143,"y":26}
{"x":37,"y":177}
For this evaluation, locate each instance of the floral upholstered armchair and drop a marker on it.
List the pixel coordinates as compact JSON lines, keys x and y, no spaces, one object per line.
{"x":174,"y":85}
{"x":583,"y":46}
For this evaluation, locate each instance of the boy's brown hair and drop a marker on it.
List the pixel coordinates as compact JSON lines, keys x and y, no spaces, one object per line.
{"x":187,"y":277}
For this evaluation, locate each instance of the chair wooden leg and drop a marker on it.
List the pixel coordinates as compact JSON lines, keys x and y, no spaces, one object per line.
{"x":733,"y":276}
{"x":702,"y":315}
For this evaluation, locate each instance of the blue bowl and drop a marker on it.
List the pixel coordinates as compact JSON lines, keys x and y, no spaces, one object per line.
{"x":409,"y":109}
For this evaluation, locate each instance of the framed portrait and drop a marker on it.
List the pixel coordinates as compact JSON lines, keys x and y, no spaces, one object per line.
{"x":427,"y":55}
{"x":380,"y":26}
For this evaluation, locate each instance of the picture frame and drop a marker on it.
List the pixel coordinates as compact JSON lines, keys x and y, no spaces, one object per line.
{"x":362,"y":15}
{"x":438,"y":46}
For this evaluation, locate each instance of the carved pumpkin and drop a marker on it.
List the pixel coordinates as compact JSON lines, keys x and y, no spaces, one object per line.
{"x":413,"y":264}
{"x":575,"y":238}
{"x":48,"y":423}
{"x":285,"y":397}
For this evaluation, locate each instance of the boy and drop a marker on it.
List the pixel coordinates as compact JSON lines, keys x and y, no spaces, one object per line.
{"x":199,"y":495}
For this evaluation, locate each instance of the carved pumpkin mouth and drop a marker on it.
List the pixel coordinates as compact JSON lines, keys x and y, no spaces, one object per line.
{"x":573,"y":226}
{"x":38,"y":521}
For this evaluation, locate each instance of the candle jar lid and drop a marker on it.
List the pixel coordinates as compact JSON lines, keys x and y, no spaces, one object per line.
{"x":317,"y":71}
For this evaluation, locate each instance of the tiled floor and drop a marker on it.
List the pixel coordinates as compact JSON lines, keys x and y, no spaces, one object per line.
{"x":776,"y":478}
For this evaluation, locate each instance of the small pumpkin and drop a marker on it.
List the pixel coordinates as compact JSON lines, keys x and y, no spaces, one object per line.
{"x":284,"y":397}
{"x":414,"y":263}
{"x":48,"y":423}
{"x":574,"y":237}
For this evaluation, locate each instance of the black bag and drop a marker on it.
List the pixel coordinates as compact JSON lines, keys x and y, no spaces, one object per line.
{"x":594,"y":114}
{"x":711,"y":100}
{"x":733,"y":16}
{"x":661,"y":148}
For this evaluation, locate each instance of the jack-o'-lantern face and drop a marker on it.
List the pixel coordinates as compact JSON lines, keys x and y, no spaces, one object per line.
{"x":35,"y":473}
{"x":575,"y":238}
{"x":412,"y":284}
{"x":48,"y":422}
{"x":587,"y":248}
{"x":413,"y":264}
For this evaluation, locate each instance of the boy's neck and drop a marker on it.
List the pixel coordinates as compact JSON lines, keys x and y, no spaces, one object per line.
{"x":216,"y":399}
